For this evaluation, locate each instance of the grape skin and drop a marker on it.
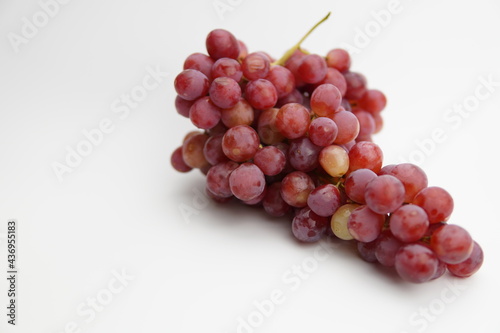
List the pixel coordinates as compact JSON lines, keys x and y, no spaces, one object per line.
{"x":471,"y":265}
{"x":273,"y":203}
{"x":340,"y":219}
{"x":355,"y":184}
{"x":324,"y":200}
{"x":323,"y":131}
{"x":308,"y":227}
{"x":295,"y":188}
{"x":218,"y":179}
{"x":270,"y":160}
{"x":416,"y":263}
{"x":261,"y":94}
{"x":384,"y":194}
{"x":204,"y":114}
{"x":191,"y":84}
{"x":452,"y":244}
{"x":365,"y":225}
{"x":293,"y":120}
{"x":437,"y":203}
{"x":222,"y":44}
{"x":225,"y":92}
{"x":247,"y":182}
{"x":240,"y":143}
{"x":409,"y":223}
{"x":178,"y":162}
{"x":303,"y":154}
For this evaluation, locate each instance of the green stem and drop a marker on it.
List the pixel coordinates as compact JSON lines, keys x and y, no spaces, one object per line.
{"x":289,"y":53}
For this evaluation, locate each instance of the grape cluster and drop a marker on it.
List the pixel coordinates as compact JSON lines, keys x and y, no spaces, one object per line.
{"x":294,"y":136}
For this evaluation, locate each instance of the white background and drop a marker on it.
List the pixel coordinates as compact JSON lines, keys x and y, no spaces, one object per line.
{"x":119,"y":209}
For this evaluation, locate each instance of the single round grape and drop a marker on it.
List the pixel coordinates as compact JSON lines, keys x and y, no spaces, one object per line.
{"x":324,"y":200}
{"x":204,"y":113}
{"x":178,"y":162}
{"x":225,"y":92}
{"x":334,"y":160}
{"x":213,"y":150}
{"x":218,"y":179}
{"x":355,"y":184}
{"x":282,"y":79}
{"x":247,"y":182}
{"x":413,"y":178}
{"x":273,"y":203}
{"x":267,"y":129}
{"x":367,"y":251}
{"x":325,"y":100}
{"x":293,"y":120}
{"x":261,"y":94}
{"x":255,"y":66}
{"x":182,"y":106}
{"x":226,"y":67}
{"x":293,"y":63}
{"x":312,"y":68}
{"x":240,"y":114}
{"x":191,"y":84}
{"x":294,"y":97}
{"x":437,"y":203}
{"x":386,"y":249}
{"x":340,"y":219}
{"x":379,"y":122}
{"x":365,"y":155}
{"x":303,"y":154}
{"x":270,"y":160}
{"x":308,"y":227}
{"x":452,"y":244}
{"x":192,"y":151}
{"x":240,"y":143}
{"x":200,"y":62}
{"x":366,"y":124}
{"x":364,"y":224}
{"x":295,"y":188}
{"x":348,"y":126}
{"x":356,"y":85}
{"x":416,"y":263}
{"x":338,"y":59}
{"x":372,"y":101}
{"x":471,"y":265}
{"x":336,"y":78}
{"x":384,"y":194}
{"x":222,"y":44}
{"x":409,"y":223}
{"x":323,"y":131}
{"x":243,"y":50}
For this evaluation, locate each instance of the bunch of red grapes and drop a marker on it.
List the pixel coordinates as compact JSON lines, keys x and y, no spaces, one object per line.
{"x":295,"y":137}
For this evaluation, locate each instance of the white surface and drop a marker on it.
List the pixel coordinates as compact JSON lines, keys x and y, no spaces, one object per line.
{"x":119,"y":209}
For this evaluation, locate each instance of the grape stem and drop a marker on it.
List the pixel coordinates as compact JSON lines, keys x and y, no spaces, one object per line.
{"x":296,"y":47}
